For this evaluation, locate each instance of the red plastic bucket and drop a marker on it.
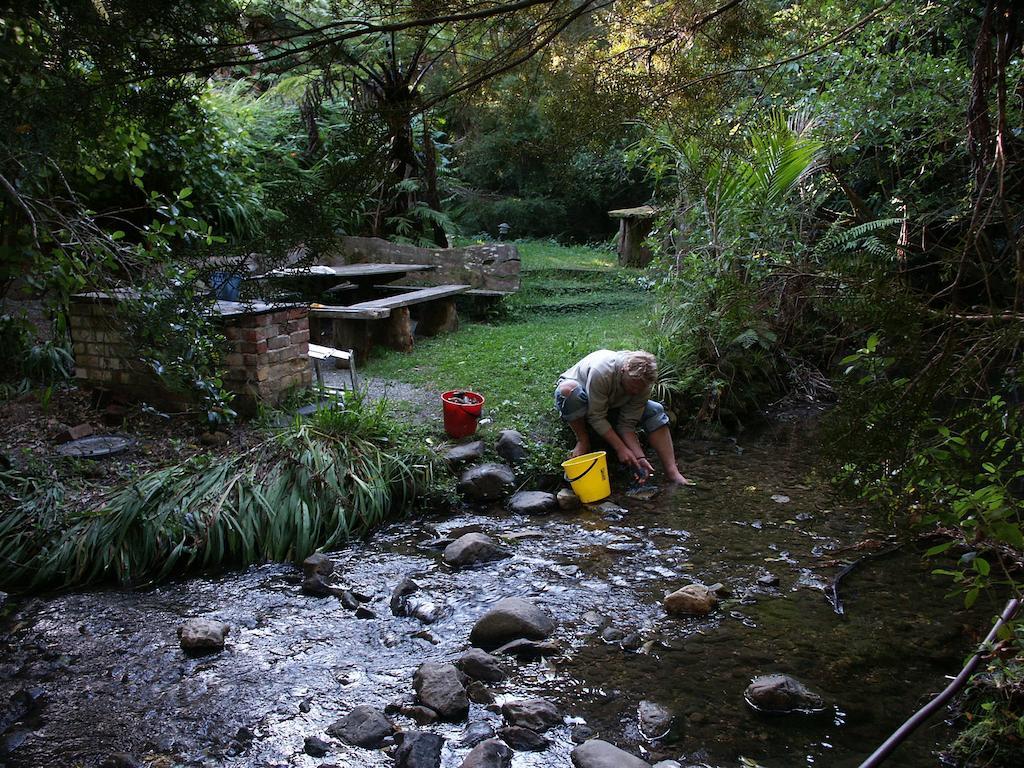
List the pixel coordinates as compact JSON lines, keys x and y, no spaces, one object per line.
{"x":461,"y":412}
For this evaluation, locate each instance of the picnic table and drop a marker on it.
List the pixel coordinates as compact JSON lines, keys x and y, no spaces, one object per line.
{"x":364,"y":315}
{"x":359,"y":279}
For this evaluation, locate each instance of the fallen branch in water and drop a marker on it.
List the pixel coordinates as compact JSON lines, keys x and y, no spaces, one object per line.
{"x":833,"y":594}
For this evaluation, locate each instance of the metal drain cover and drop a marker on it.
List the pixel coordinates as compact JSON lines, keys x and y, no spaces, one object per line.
{"x":95,"y":446}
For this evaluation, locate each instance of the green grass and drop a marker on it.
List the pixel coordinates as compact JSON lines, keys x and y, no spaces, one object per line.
{"x":560,"y":314}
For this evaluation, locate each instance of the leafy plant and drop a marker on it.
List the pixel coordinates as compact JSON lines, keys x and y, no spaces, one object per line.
{"x":308,"y":487}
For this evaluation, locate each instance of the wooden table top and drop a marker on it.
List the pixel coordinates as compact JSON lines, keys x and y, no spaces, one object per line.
{"x":352,"y":271}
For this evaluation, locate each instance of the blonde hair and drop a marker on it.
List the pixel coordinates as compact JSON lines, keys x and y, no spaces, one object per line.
{"x":641,"y":365}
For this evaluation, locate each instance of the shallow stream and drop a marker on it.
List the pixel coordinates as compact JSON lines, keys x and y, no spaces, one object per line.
{"x":112,"y":677}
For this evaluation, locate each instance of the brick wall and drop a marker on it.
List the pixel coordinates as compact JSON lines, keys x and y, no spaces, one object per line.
{"x":267,"y":352}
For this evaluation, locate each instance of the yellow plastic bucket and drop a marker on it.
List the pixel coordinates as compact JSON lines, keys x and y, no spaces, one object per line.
{"x":588,"y":475}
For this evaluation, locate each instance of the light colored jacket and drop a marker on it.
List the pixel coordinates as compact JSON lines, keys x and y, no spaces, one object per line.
{"x":600,"y":374}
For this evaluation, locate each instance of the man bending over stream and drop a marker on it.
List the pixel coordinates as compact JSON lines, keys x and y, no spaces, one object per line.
{"x":604,"y":382}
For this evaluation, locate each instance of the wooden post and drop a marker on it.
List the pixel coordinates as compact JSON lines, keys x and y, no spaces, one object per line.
{"x":634,"y":226}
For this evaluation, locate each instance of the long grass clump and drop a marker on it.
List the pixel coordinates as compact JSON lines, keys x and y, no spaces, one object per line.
{"x":308,"y":487}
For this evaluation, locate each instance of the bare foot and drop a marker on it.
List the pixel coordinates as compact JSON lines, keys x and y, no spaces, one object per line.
{"x":678,"y":479}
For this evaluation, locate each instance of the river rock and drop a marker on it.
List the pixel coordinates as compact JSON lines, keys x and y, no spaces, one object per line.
{"x":473,"y":548}
{"x":511,"y":446}
{"x":600,"y":754}
{"x":509,"y":619}
{"x":488,"y":754}
{"x":536,"y":714}
{"x":655,"y":720}
{"x":781,"y":693}
{"x":533,"y":503}
{"x":418,"y":749}
{"x":668,"y":764}
{"x":314,"y":746}
{"x":567,"y":500}
{"x":364,"y":726}
{"x":481,"y":665}
{"x":121,"y":760}
{"x":475,"y":733}
{"x":523,"y":739}
{"x":439,"y":686}
{"x":398,"y":597}
{"x":317,"y":563}
{"x":487,"y":482}
{"x":203,"y":635}
{"x":479,"y":693}
{"x":464,"y":454}
{"x":522,"y":648}
{"x":421,"y":715}
{"x":693,"y":600}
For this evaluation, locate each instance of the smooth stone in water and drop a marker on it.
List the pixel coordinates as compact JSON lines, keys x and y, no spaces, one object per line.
{"x":475,"y":733}
{"x":398,"y":598}
{"x":364,"y":726}
{"x":314,"y":746}
{"x":533,"y":503}
{"x":510,"y":619}
{"x":439,"y":686}
{"x":481,"y":665}
{"x":528,"y":649}
{"x":523,"y":739}
{"x":655,"y":720}
{"x":536,"y":714}
{"x":691,"y":600}
{"x":488,"y":754}
{"x":317,"y":563}
{"x":600,"y":754}
{"x":783,"y":694}
{"x":203,"y":635}
{"x":473,"y":548}
{"x":418,"y":749}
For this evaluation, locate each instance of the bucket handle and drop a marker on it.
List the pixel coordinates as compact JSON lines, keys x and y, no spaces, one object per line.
{"x":574,"y":479}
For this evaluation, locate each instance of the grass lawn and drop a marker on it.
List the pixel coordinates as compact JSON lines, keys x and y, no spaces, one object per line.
{"x":572,"y":301}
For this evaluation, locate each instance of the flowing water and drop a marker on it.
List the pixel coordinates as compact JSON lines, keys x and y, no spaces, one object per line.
{"x":112,"y":677}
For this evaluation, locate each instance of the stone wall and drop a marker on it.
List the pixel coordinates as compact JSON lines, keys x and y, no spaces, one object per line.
{"x":268,"y":348}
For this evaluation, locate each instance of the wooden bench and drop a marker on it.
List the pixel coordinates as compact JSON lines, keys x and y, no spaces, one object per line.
{"x":388,"y":321}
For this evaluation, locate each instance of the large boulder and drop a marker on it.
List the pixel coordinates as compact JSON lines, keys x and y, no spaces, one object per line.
{"x":509,"y":619}
{"x":533,"y":503}
{"x":488,"y":754}
{"x":782,"y":694}
{"x":364,"y":726}
{"x":487,"y":482}
{"x":440,"y":687}
{"x":600,"y":754}
{"x":418,"y":749}
{"x":691,"y":600}
{"x":200,"y":636}
{"x":473,"y":548}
